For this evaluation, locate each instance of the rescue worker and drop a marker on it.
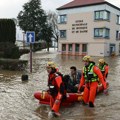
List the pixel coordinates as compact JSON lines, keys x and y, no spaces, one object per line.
{"x":55,"y":88}
{"x":103,"y":66}
{"x":90,"y":76}
{"x":74,"y":80}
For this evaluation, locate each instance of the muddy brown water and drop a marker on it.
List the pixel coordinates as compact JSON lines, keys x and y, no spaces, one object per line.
{"x":18,"y":103}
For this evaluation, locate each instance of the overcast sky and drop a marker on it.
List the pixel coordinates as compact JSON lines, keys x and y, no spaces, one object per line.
{"x":11,"y":8}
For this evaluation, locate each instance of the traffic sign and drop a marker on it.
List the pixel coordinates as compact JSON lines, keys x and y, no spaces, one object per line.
{"x":30,"y":36}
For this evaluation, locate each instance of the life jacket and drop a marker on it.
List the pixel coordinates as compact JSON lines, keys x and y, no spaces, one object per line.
{"x":53,"y":88}
{"x":102,"y":67}
{"x":89,"y":74}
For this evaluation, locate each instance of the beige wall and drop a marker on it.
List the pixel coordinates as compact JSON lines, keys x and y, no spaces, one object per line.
{"x":78,"y":37}
{"x":95,"y":49}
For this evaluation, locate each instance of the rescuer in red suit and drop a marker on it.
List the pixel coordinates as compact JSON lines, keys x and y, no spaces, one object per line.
{"x":90,"y":76}
{"x":56,"y":88}
{"x":103,"y":66}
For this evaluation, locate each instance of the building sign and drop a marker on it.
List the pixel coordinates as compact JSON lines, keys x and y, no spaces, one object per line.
{"x":79,"y":27}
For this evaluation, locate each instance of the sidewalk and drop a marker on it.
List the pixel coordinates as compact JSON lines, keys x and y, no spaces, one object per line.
{"x":51,"y":50}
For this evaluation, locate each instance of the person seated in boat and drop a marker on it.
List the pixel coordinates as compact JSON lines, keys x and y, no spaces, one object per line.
{"x":90,"y":76}
{"x":56,"y":88}
{"x":74,"y":79}
{"x":103,"y":66}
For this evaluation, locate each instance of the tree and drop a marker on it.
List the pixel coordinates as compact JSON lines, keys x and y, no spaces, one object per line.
{"x":32,"y":18}
{"x":52,"y":20}
{"x":46,"y":34}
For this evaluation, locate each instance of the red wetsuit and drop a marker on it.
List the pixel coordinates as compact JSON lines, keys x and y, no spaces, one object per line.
{"x":54,"y":83}
{"x":91,"y":87}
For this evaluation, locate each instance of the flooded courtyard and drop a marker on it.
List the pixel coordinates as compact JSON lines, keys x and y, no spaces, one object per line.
{"x":18,"y":103}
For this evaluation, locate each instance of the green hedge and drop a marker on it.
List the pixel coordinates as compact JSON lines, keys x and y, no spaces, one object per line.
{"x":9,"y":50}
{"x":13,"y":64}
{"x":7,"y":30}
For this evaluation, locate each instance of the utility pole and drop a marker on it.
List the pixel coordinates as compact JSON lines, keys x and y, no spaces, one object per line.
{"x":23,"y":40}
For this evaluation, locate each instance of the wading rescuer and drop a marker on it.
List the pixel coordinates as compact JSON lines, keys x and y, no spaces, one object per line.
{"x":56,"y":88}
{"x":90,"y":76}
{"x":103,"y":66}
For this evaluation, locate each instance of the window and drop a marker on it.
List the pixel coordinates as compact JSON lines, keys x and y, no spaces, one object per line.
{"x":76,"y":47}
{"x":62,"y":19}
{"x":102,"y":32}
{"x":102,"y":15}
{"x":117,"y":35}
{"x":63,"y":47}
{"x":62,"y":33}
{"x":118,"y":19}
{"x":70,"y":47}
{"x":84,"y":47}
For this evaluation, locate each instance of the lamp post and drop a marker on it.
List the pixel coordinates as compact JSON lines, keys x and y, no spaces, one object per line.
{"x":23,"y":40}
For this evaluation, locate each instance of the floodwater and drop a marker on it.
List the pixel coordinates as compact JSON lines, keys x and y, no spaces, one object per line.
{"x":18,"y":103}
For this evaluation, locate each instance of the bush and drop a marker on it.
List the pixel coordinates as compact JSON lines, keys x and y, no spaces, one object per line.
{"x":13,"y":64}
{"x":7,"y":31}
{"x":36,"y":46}
{"x":12,"y":52}
{"x":24,"y":51}
{"x":9,"y":50}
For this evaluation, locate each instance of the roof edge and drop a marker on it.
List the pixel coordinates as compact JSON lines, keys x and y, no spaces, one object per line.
{"x":90,"y":5}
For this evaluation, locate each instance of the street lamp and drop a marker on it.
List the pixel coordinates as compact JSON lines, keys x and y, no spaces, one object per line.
{"x":23,"y":40}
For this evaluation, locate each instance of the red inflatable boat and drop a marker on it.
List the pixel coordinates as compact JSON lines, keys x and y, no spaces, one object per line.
{"x":44,"y":97}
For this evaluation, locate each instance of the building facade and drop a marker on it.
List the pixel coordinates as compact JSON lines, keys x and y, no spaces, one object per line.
{"x":90,"y":27}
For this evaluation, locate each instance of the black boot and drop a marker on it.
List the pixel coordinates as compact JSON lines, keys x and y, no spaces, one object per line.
{"x":91,"y":104}
{"x":84,"y":103}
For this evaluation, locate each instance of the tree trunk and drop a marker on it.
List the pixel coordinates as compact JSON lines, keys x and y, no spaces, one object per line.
{"x":48,"y":45}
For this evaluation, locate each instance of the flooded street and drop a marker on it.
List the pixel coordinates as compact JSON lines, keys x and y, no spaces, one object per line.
{"x":18,"y":103}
